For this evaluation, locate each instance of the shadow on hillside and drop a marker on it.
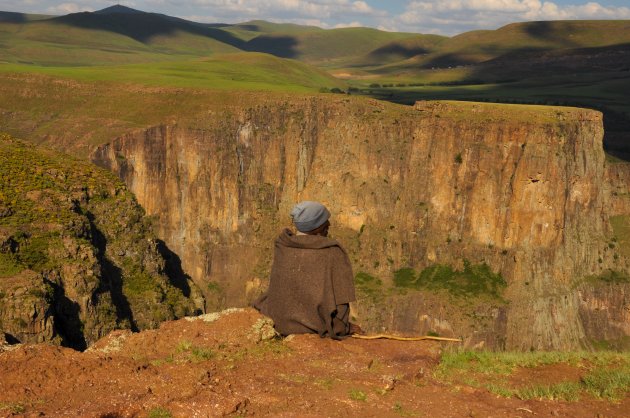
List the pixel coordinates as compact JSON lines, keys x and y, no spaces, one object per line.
{"x":280,"y":46}
{"x":548,"y":31}
{"x":250,"y":27}
{"x":11,"y":17}
{"x":111,"y":277}
{"x":68,"y":324}
{"x":144,"y":26}
{"x":398,"y":50}
{"x":542,"y":63}
{"x":174,"y":270}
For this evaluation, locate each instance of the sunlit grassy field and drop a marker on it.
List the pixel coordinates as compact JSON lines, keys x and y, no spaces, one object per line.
{"x":241,"y":71}
{"x":568,"y":376}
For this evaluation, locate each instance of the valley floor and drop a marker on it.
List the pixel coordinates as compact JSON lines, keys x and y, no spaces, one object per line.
{"x":227,"y":365}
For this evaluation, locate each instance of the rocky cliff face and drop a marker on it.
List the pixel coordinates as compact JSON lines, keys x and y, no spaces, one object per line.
{"x":471,"y":219}
{"x":77,"y":258}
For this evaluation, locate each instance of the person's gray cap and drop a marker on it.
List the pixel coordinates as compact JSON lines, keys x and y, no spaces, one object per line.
{"x":308,"y":215}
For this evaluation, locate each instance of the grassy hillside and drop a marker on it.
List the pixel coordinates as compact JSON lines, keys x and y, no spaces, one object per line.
{"x":119,"y":35}
{"x":101,"y":39}
{"x":240,"y":71}
{"x":74,"y":243}
{"x":478,"y":46}
{"x":334,"y":47}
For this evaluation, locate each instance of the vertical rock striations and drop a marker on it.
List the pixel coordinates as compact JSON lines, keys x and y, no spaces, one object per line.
{"x":438,"y":195}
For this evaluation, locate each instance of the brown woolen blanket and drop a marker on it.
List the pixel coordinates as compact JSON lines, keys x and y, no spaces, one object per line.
{"x":310,"y":286}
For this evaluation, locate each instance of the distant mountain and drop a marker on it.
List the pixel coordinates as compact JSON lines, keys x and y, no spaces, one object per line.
{"x":118,"y":8}
{"x":143,"y":26}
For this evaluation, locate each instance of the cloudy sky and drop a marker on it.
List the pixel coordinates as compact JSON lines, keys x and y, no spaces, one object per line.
{"x":446,"y":17}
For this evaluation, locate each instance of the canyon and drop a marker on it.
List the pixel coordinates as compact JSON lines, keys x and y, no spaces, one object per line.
{"x":517,"y":199}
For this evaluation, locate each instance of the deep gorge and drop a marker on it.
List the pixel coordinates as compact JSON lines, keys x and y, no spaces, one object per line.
{"x":523,"y":190}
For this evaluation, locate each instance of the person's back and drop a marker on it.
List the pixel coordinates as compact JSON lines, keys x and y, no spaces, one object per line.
{"x":311,"y":281}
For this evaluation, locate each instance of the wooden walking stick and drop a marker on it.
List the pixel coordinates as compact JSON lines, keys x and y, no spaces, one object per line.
{"x":395,"y":337}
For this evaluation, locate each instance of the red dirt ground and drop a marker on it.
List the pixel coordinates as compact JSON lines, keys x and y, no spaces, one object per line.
{"x":228,"y":367}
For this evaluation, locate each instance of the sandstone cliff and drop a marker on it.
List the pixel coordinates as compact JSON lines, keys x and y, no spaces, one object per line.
{"x":77,"y":258}
{"x":478,"y":220}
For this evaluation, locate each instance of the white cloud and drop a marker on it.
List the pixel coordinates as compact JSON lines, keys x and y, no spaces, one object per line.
{"x":456,"y":16}
{"x":348,"y":25}
{"x":65,"y":8}
{"x":331,"y":11}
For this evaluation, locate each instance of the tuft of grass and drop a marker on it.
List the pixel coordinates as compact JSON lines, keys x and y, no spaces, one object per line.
{"x":400,"y":410}
{"x":13,"y":408}
{"x":357,"y":395}
{"x":325,"y":383}
{"x":565,"y":391}
{"x":214,"y":287}
{"x":194,"y":353}
{"x":183,"y":346}
{"x":159,"y":412}
{"x":201,"y":354}
{"x":612,"y":384}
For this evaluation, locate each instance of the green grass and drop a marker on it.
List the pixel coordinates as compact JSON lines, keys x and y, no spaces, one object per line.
{"x":370,"y":286}
{"x":621,"y":230}
{"x":473,"y":280}
{"x":325,"y":383}
{"x":241,"y":71}
{"x":400,"y":410}
{"x":192,"y":353}
{"x":357,"y":395}
{"x":159,"y":412}
{"x":9,"y":265}
{"x":608,"y":384}
{"x":605,"y":374}
{"x":611,"y":277}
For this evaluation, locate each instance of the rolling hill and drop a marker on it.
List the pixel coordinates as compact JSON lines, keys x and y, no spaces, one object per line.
{"x":581,"y":63}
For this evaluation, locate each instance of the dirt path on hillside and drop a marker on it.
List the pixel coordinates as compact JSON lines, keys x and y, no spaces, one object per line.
{"x":224,"y":365}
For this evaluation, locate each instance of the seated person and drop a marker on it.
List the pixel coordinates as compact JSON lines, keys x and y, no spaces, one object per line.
{"x":311,"y":281}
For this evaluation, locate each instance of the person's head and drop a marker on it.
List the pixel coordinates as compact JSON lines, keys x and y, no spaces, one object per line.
{"x":311,"y":218}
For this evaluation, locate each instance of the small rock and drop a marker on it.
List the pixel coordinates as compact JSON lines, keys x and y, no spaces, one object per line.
{"x":390,"y":382}
{"x":240,"y":408}
{"x":263,"y":330}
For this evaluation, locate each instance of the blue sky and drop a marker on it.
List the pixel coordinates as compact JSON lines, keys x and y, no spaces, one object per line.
{"x":446,"y":17}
